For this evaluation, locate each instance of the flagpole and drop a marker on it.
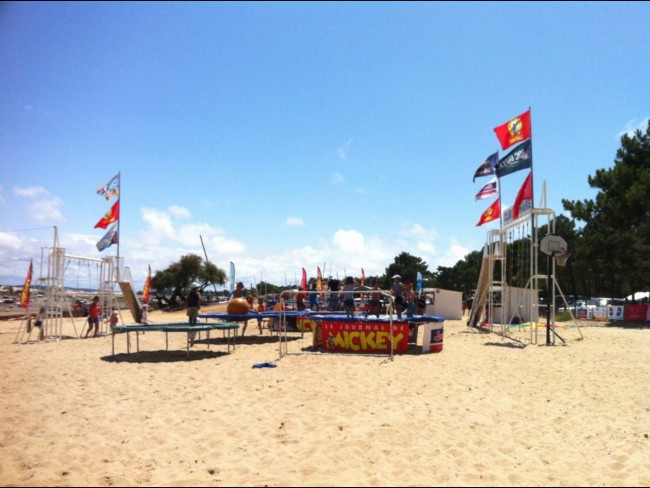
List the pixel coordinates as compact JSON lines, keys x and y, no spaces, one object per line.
{"x":533,"y":233}
{"x":500,"y":207}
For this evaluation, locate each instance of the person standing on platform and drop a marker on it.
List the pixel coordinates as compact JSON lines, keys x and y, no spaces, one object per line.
{"x":348,"y":296}
{"x":193,"y":306}
{"x":261,"y":307}
{"x":238,"y":292}
{"x":409,"y":299}
{"x":313,"y":298}
{"x":300,"y":301}
{"x":374,"y":305}
{"x":398,"y":293}
{"x":251,"y":308}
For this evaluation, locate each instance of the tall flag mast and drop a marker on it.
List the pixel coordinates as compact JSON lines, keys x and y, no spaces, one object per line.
{"x":111,"y":189}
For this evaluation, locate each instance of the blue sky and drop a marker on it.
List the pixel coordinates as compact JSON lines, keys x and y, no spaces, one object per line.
{"x":291,"y":135}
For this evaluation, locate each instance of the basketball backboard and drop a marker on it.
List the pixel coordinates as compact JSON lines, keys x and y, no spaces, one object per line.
{"x":553,"y":245}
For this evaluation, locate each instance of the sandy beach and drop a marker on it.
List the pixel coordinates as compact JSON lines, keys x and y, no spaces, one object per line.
{"x":483,"y":412}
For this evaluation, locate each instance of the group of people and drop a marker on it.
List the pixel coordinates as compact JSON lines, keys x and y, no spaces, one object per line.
{"x":405,"y":300}
{"x":94,"y":320}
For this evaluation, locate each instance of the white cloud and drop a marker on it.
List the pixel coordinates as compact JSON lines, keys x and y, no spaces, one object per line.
{"x":163,"y":229}
{"x":294,"y":222}
{"x":349,"y":241}
{"x":29,"y":191}
{"x":10,"y":241}
{"x":337,"y":178}
{"x":179,"y":212}
{"x":632,"y":126}
{"x":343,"y":150}
{"x":455,"y":253}
{"x":45,"y":211}
{"x":160,"y":227}
{"x":419,"y":232}
{"x":43,"y":207}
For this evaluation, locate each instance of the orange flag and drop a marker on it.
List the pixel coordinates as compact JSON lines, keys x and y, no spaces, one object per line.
{"x":492,"y":213}
{"x":111,"y":216}
{"x":24,"y":296}
{"x":147,"y":287}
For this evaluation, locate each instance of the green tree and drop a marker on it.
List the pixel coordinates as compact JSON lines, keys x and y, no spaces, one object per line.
{"x":175,"y":280}
{"x":462,"y":276}
{"x":407,"y":266}
{"x":615,"y":238}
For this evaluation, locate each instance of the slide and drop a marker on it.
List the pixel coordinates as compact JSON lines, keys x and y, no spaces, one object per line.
{"x":131,"y":300}
{"x":480,"y":296}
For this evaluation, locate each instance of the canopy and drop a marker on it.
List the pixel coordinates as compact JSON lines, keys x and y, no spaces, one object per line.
{"x":639,"y":295}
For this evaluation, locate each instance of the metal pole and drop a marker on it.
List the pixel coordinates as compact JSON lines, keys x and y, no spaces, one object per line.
{"x":549,"y":290}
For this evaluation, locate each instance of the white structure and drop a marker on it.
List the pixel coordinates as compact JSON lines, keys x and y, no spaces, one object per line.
{"x":509,"y":280}
{"x":55,"y":292}
{"x":447,"y":304}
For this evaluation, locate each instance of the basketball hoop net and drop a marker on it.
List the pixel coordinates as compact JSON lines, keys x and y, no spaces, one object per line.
{"x":561,"y":259}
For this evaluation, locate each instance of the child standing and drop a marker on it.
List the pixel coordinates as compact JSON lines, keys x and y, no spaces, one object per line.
{"x":348,"y":296}
{"x":39,"y":321}
{"x":113,"y":319}
{"x":409,"y":298}
{"x":93,"y":317}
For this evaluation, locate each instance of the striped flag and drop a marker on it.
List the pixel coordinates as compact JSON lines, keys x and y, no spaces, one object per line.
{"x":490,"y":189}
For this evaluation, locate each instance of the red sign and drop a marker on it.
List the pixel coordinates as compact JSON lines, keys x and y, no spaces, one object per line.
{"x":371,"y":337}
{"x":635,"y":313}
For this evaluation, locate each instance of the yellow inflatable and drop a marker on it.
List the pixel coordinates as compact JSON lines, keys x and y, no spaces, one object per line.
{"x":237,"y":306}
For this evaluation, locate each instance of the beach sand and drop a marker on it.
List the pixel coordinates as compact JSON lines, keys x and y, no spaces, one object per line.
{"x":483,"y":412}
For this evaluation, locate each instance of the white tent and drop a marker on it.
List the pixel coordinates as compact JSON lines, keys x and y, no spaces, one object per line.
{"x":639,"y":295}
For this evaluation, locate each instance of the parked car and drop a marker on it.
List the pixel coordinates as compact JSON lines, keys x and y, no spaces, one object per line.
{"x":598,"y":302}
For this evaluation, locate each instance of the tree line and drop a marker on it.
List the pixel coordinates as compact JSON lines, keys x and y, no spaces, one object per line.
{"x":608,"y":238}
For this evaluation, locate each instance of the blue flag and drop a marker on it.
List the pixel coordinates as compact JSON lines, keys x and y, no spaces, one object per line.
{"x":520,"y":157}
{"x":487,"y":168}
{"x":232,"y":276}
{"x":418,"y":283}
{"x":109,"y":239}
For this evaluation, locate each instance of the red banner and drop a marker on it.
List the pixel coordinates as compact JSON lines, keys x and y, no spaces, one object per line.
{"x":525,"y":193}
{"x":514,"y":131}
{"x":635,"y":313}
{"x":365,"y":337}
{"x":111,"y":216}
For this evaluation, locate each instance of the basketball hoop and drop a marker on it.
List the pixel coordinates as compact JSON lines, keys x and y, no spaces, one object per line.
{"x":560,"y":259}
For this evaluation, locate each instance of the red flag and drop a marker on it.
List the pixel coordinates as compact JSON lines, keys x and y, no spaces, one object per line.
{"x":514,"y":131}
{"x":525,"y":193}
{"x":147,"y":287}
{"x":303,"y":282}
{"x":319,"y":280}
{"x":111,"y":216}
{"x":492,"y":213}
{"x":24,"y":296}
